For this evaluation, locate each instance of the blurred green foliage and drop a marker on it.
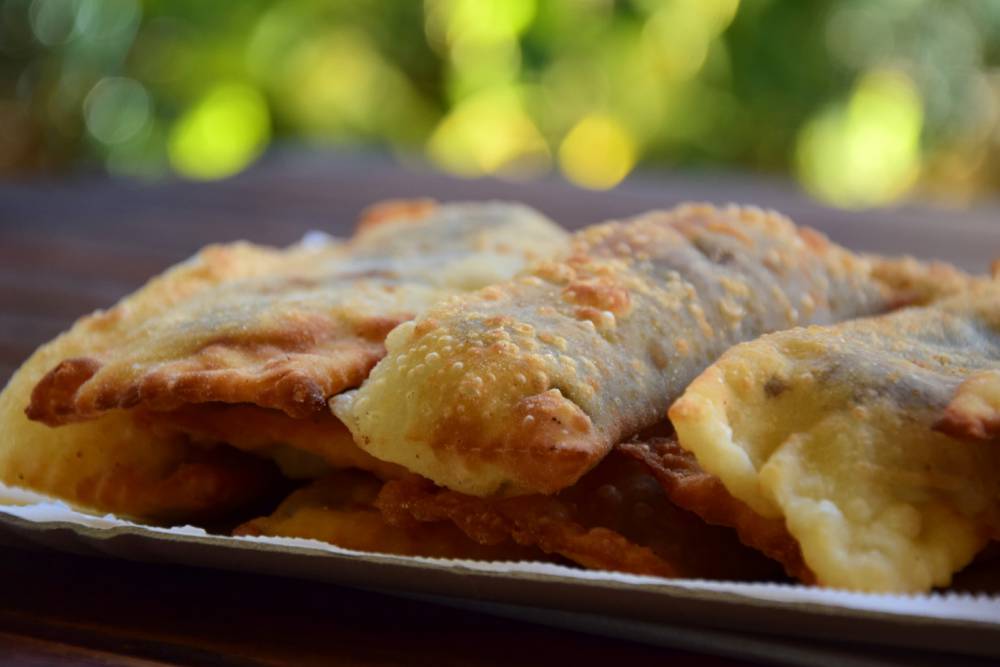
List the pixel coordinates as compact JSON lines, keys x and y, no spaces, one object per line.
{"x":862,"y":101}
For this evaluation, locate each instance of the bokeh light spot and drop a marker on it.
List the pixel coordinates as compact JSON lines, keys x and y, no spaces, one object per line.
{"x":869,"y":152}
{"x":483,"y":21}
{"x":104,"y":19}
{"x":52,"y":20}
{"x":337,"y":85}
{"x":864,"y":102}
{"x":489,"y":133}
{"x":335,"y":81}
{"x":116,"y":109}
{"x":719,"y":13}
{"x":475,"y":66}
{"x":598,"y":152}
{"x":680,"y":34}
{"x":220,"y":134}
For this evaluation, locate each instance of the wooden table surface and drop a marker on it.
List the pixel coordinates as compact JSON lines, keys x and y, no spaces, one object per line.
{"x":71,"y":246}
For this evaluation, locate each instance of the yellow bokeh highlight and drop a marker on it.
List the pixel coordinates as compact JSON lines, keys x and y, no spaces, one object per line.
{"x":680,"y":33}
{"x":867,"y":153}
{"x":490,"y":133}
{"x":718,"y":14}
{"x":450,"y":22}
{"x":333,"y":81}
{"x":480,"y":40}
{"x":475,"y":66}
{"x":334,"y":85}
{"x":220,"y":134}
{"x":598,"y":152}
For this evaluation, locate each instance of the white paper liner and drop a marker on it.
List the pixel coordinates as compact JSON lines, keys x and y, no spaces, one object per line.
{"x":952,"y":606}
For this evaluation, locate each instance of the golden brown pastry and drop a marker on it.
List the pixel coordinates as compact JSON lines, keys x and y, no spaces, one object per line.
{"x":307,"y":448}
{"x":524,"y":386}
{"x":615,"y":518}
{"x":875,"y":442}
{"x":114,"y":463}
{"x":917,"y":282}
{"x":295,"y":327}
{"x":272,"y":330}
{"x":339,"y":509}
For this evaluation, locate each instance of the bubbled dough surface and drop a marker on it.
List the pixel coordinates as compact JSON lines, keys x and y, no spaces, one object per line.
{"x":523,"y":386}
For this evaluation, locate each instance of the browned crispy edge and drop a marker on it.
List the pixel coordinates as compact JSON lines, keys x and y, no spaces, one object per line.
{"x":392,"y":210}
{"x":528,"y":520}
{"x":690,"y":487}
{"x":968,"y":418}
{"x":297,"y":382}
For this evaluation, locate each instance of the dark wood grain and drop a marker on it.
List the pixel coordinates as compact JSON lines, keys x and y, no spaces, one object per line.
{"x":70,"y":247}
{"x":185,"y":615}
{"x":24,"y":651}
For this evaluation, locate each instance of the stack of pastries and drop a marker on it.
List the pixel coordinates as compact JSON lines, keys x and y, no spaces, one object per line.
{"x":697,"y":392}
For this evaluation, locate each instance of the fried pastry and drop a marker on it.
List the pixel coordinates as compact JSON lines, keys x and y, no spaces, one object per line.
{"x":875,"y":442}
{"x":307,"y":448}
{"x":295,"y":330}
{"x":524,"y":386}
{"x":339,"y":509}
{"x":916,"y":282}
{"x":264,"y":328}
{"x":115,"y":464}
{"x":615,"y":518}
